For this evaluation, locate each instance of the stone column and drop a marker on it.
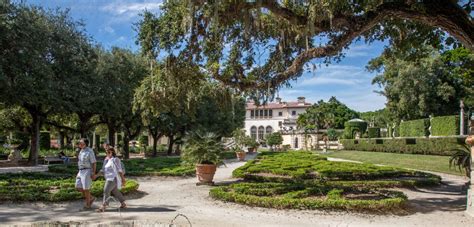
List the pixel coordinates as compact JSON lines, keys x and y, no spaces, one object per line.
{"x":470,"y":191}
{"x":461,"y":119}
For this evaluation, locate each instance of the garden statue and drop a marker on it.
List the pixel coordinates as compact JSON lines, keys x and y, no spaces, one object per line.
{"x":15,"y":155}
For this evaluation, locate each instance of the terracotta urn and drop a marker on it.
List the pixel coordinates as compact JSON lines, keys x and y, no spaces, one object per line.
{"x":240,"y":155}
{"x":205,"y":172}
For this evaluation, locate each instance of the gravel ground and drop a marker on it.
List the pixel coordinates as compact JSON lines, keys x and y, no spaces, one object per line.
{"x":162,"y":198}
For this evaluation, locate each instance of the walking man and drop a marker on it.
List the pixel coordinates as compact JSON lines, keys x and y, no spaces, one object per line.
{"x":87,"y":166}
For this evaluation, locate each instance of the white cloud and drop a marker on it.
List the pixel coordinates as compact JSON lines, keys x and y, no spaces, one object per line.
{"x":361,"y":50}
{"x":124,"y":11}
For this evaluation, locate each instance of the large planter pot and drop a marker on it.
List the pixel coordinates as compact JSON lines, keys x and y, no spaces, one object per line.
{"x":240,"y":155}
{"x":205,"y":172}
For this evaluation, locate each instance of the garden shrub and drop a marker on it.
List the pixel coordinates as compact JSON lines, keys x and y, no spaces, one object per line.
{"x":159,"y":166}
{"x":48,"y":187}
{"x":304,"y":180}
{"x":24,"y":139}
{"x":415,"y":128}
{"x":427,"y":146}
{"x":351,"y":127}
{"x":143,"y":140}
{"x":373,"y":132}
{"x":445,"y":126}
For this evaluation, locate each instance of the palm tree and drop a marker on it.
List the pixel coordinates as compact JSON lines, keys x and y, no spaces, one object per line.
{"x":461,"y":158}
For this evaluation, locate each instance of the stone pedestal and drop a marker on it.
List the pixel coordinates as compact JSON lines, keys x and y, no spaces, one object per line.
{"x":470,"y":191}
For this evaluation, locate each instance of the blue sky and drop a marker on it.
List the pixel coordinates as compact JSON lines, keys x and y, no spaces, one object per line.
{"x":110,"y":23}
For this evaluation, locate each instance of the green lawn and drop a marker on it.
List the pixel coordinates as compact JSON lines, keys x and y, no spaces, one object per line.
{"x":412,"y":161}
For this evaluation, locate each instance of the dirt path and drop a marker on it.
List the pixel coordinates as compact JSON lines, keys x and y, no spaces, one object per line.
{"x":163,"y":198}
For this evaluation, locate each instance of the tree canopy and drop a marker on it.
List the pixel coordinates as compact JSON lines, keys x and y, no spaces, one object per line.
{"x":432,"y":84}
{"x":264,"y":44}
{"x":330,"y":114}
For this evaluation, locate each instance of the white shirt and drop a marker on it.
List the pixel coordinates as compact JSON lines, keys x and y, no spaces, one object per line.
{"x":112,"y":168}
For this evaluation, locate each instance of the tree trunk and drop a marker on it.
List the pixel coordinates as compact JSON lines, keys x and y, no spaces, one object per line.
{"x":126,"y":152}
{"x":35,"y":136}
{"x":170,"y":144}
{"x":111,"y":134}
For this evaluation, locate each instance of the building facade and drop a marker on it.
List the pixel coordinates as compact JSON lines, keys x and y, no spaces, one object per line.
{"x":276,"y":116}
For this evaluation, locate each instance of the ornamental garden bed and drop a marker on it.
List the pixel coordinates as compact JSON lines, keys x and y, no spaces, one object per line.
{"x":51,"y":187}
{"x":159,"y":166}
{"x":304,"y":180}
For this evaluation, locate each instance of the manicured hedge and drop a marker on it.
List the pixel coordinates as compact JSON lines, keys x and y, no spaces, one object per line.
{"x":415,"y":128}
{"x":48,"y":187}
{"x":351,"y":126}
{"x":45,"y":140}
{"x":373,"y":132}
{"x":290,"y":196}
{"x":428,"y":146}
{"x":445,"y":126}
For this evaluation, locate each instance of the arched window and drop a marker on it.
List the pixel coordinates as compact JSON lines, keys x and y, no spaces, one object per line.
{"x":268,"y":130}
{"x":296,"y":142}
{"x":261,"y":132}
{"x":253,"y":132}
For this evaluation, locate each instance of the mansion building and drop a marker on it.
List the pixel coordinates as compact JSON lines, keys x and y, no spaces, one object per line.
{"x":276,"y":117}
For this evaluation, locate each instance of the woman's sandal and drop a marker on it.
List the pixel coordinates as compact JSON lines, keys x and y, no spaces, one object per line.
{"x":123,"y":206}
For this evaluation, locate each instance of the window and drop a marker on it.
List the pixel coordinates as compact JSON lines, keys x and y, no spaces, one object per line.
{"x":252,"y":114}
{"x":280,"y":114}
{"x":280,"y":123}
{"x":261,"y":132}
{"x":256,"y":113}
{"x":265,"y":113}
{"x":293,"y":112}
{"x":253,"y":132}
{"x":296,"y":142}
{"x":270,"y":113}
{"x":269,"y":130}
{"x":261,"y":113}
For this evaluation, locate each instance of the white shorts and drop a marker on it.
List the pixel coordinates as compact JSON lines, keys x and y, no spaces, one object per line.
{"x":83,"y":179}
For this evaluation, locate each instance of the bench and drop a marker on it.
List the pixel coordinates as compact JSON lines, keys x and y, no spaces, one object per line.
{"x":49,"y":160}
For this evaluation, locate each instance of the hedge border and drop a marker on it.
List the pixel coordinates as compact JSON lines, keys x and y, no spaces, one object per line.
{"x":428,"y":146}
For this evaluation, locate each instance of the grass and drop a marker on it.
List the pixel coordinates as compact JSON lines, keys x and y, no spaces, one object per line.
{"x":159,"y":166}
{"x":411,"y":161}
{"x":48,"y":187}
{"x":305,"y":180}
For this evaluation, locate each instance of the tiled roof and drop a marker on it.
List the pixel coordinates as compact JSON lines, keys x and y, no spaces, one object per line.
{"x":274,"y":105}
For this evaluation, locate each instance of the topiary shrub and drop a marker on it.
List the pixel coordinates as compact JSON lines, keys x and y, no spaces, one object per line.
{"x":445,"y":126}
{"x":373,"y":132}
{"x":351,"y":127}
{"x":427,"y":146}
{"x":415,"y":128}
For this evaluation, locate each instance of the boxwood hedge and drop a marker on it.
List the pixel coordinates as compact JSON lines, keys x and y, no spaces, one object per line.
{"x":445,"y":126}
{"x":415,"y":128}
{"x":427,"y":146}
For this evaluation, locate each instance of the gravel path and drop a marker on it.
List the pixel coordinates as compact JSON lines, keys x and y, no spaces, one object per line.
{"x":162,"y":198}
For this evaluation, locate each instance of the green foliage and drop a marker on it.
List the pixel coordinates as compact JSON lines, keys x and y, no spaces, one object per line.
{"x":274,"y":139}
{"x":48,"y":187}
{"x":351,"y":127}
{"x":288,"y":196}
{"x":415,"y":128}
{"x":143,"y":140}
{"x":461,"y":158}
{"x":304,"y":180}
{"x":445,"y":126}
{"x":250,"y":142}
{"x":202,"y":148}
{"x":21,"y":138}
{"x":432,"y":83}
{"x":428,"y":146}
{"x":331,"y":114}
{"x":332,"y":134}
{"x":380,"y":118}
{"x":373,"y":132}
{"x":159,"y":166}
{"x":45,"y":140}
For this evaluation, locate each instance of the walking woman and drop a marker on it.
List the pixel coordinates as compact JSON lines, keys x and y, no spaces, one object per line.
{"x":114,"y":179}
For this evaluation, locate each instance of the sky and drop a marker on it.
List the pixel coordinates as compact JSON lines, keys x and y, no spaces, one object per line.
{"x":111,"y":23}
